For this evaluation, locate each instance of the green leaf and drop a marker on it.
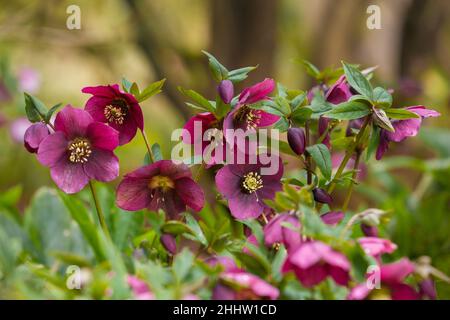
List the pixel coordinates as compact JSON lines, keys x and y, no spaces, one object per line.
{"x":51,"y":111}
{"x":395,"y":113}
{"x":134,"y":90}
{"x":198,"y":98}
{"x":382,"y":98}
{"x":301,"y":115}
{"x":311,"y":69}
{"x":156,"y":150}
{"x":195,"y":227}
{"x":349,"y":111}
{"x":182,"y":264}
{"x":176,"y":227}
{"x":298,"y":100}
{"x":219,"y":72}
{"x":357,"y":80}
{"x":268,"y":106}
{"x":126,"y":85}
{"x":34,"y":108}
{"x":283,"y":105}
{"x":239,"y":75}
{"x":151,"y":90}
{"x":381,"y":120}
{"x":319,"y":105}
{"x":321,"y":155}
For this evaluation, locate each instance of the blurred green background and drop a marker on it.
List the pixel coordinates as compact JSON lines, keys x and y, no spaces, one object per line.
{"x":145,"y":41}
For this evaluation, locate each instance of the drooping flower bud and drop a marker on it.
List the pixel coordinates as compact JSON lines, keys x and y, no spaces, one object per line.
{"x":332,"y":218}
{"x":226,"y":91}
{"x":428,"y":289}
{"x":369,"y":231}
{"x":169,"y":243}
{"x":34,"y":136}
{"x":297,"y":140}
{"x":322,"y":196}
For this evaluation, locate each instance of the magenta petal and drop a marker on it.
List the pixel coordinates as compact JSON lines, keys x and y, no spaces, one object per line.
{"x":102,"y":165}
{"x":191,"y":193}
{"x":222,"y":292}
{"x":404,"y":129}
{"x":397,"y":271}
{"x":136,"y":114}
{"x":52,"y":149}
{"x":333,"y":217}
{"x":73,"y":122}
{"x":228,"y":183}
{"x":245,"y":206}
{"x":257,"y":92}
{"x":307,"y":255}
{"x":96,"y":107}
{"x":102,"y":91}
{"x":339,"y":275}
{"x":133,"y":194}
{"x":172,"y":204}
{"x":103,"y":136}
{"x":311,"y":276}
{"x":204,"y":119}
{"x":383,"y":144}
{"x":424,"y":112}
{"x":339,"y":92}
{"x":69,"y":177}
{"x":34,"y":136}
{"x":403,"y":292}
{"x":127,"y":130}
{"x":360,"y":292}
{"x":174,"y":171}
{"x":267,"y":119}
{"x":376,"y":246}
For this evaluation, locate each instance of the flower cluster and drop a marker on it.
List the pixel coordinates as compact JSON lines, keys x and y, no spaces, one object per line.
{"x":285,"y":228}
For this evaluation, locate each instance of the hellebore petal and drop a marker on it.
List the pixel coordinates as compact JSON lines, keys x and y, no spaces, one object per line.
{"x":297,"y":140}
{"x":73,"y":122}
{"x":191,"y":193}
{"x":369,"y":231}
{"x":103,"y":165}
{"x":52,"y":149}
{"x":339,"y":92}
{"x":69,"y":177}
{"x":257,"y":92}
{"x":376,"y":246}
{"x":397,"y":271}
{"x":169,"y":243}
{"x":332,"y":217}
{"x":34,"y":136}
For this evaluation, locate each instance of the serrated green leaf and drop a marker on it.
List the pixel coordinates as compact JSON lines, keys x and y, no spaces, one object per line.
{"x":198,"y":98}
{"x":239,"y":75}
{"x":301,"y":115}
{"x":374,"y":140}
{"x":126,"y":85}
{"x":134,"y":89}
{"x":194,"y":226}
{"x":311,"y":69}
{"x":402,"y":114}
{"x":349,"y":111}
{"x":51,"y":111}
{"x":322,"y":157}
{"x":218,"y":71}
{"x":151,"y":90}
{"x":34,"y":108}
{"x":357,"y":80}
{"x":382,"y":98}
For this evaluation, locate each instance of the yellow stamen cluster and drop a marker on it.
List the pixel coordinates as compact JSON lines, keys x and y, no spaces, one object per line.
{"x":162,"y":182}
{"x":252,"y":118}
{"x":252,"y":182}
{"x":80,"y":150}
{"x":115,"y":114}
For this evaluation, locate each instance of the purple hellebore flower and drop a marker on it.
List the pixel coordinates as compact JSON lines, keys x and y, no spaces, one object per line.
{"x":29,"y":80}
{"x":403,"y":128}
{"x":297,"y":140}
{"x":369,"y":231}
{"x":140,"y":289}
{"x":160,"y":185}
{"x":119,"y":109}
{"x":18,"y":128}
{"x":339,"y":92}
{"x":245,"y":187}
{"x":34,"y":136}
{"x":313,"y":261}
{"x":251,"y":287}
{"x":392,"y":277}
{"x":243,"y":117}
{"x":375,"y":247}
{"x":322,"y":196}
{"x":332,"y":218}
{"x":428,"y":289}
{"x":80,"y":149}
{"x":226,"y":91}
{"x":276,"y":231}
{"x":169,"y":243}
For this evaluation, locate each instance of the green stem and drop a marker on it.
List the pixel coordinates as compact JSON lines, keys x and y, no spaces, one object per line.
{"x":352,"y":183}
{"x":348,"y":155}
{"x":147,"y":144}
{"x":307,"y":155}
{"x":100,"y":215}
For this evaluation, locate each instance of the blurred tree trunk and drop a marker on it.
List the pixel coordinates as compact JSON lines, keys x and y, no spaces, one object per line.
{"x":244,"y":33}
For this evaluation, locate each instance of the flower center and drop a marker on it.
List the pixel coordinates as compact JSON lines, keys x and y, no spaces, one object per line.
{"x":251,"y":117}
{"x":115,"y":114}
{"x":252,"y":182}
{"x":80,"y":150}
{"x":161,"y":182}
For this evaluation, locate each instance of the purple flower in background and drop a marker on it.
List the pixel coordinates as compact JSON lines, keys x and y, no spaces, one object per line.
{"x":226,"y":91}
{"x":18,"y":128}
{"x":339,"y":92}
{"x":322,"y":196}
{"x":243,"y":117}
{"x":332,"y":218}
{"x":428,"y":289}
{"x":245,"y":187}
{"x":169,"y":243}
{"x":119,"y":109}
{"x":80,"y":149}
{"x":5,"y":95}
{"x":160,"y":185}
{"x":250,"y":286}
{"x":375,"y":247}
{"x":313,"y":261}
{"x":369,"y":231}
{"x":276,"y":231}
{"x":34,"y":136}
{"x":29,"y":80}
{"x":404,"y":128}
{"x":392,"y":278}
{"x":140,"y":289}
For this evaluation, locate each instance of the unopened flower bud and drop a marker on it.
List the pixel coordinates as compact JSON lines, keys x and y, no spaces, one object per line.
{"x":428,"y":289}
{"x":226,"y":91}
{"x":297,"y":140}
{"x":332,"y":218}
{"x":322,"y":196}
{"x":369,"y":231}
{"x":169,"y":243}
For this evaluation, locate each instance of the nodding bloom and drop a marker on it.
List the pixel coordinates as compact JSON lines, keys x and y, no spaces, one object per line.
{"x":236,"y":284}
{"x":160,"y":185}
{"x":276,"y":231}
{"x":313,"y":261}
{"x":80,"y":149}
{"x":119,"y":109}
{"x":404,"y":128}
{"x":332,"y":218}
{"x":245,"y":118}
{"x":322,"y":196}
{"x":34,"y":136}
{"x":392,"y":277}
{"x":245,"y":187}
{"x":339,"y":92}
{"x":375,"y":247}
{"x":297,"y":140}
